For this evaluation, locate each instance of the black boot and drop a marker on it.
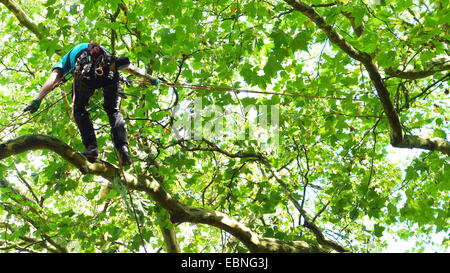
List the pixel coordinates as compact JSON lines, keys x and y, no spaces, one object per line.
{"x":91,"y":153}
{"x":124,"y":155}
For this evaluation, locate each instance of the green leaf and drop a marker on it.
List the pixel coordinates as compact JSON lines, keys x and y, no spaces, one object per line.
{"x":300,"y":41}
{"x":49,"y":3}
{"x":439,"y":133}
{"x":378,"y":230}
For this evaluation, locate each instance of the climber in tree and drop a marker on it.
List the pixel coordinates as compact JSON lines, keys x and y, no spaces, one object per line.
{"x":93,"y":67}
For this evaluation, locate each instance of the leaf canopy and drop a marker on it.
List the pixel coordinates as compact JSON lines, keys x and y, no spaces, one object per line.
{"x":324,"y":162}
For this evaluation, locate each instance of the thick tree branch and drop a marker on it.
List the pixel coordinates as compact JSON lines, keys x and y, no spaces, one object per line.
{"x":335,"y":37}
{"x":26,"y":21}
{"x":437,"y":65}
{"x":170,"y":240}
{"x":178,"y":211}
{"x":22,"y":17}
{"x":364,"y":58}
{"x":396,"y":131}
{"x":432,"y":144}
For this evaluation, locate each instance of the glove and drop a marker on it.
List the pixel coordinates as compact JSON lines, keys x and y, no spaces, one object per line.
{"x":33,"y":106}
{"x":154,"y":81}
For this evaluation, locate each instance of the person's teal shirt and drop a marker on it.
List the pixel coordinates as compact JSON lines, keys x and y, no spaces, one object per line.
{"x":67,"y":63}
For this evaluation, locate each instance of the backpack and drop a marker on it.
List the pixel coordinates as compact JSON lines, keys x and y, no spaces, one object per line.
{"x":93,"y":65}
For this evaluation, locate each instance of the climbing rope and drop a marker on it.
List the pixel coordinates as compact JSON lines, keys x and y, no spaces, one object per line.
{"x":15,"y":126}
{"x":61,"y":81}
{"x":131,"y":198}
{"x":237,"y":90}
{"x":178,"y":85}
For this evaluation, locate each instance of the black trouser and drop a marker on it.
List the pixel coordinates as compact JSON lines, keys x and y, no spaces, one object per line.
{"x":83,"y":91}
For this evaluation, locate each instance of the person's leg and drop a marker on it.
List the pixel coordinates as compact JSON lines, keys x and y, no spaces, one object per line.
{"x":81,"y":115}
{"x":116,"y":121}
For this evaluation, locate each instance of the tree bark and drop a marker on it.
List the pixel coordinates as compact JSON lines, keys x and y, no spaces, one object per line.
{"x":170,"y":240}
{"x":432,"y":144}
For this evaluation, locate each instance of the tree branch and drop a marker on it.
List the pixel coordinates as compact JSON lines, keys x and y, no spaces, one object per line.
{"x":397,"y":138}
{"x":308,"y":224}
{"x":364,"y":58}
{"x":433,"y":67}
{"x":170,"y":240}
{"x":432,"y":144}
{"x":357,"y":29}
{"x":260,"y":158}
{"x":22,"y":17}
{"x":178,"y":211}
{"x":16,"y":199}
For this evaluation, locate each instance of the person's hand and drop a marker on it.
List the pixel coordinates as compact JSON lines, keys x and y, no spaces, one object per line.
{"x":33,"y":106}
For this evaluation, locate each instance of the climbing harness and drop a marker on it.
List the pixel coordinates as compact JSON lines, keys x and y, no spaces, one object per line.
{"x":95,"y":65}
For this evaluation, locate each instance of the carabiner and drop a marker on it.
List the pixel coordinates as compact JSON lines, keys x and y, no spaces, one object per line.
{"x":99,"y":71}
